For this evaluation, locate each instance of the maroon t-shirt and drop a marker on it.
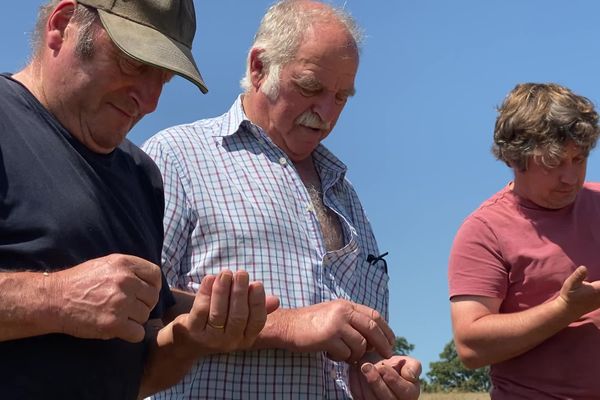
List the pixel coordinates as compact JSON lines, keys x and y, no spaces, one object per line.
{"x":514,"y":250}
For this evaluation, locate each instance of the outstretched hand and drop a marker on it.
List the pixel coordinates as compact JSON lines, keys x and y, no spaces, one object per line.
{"x":228,"y":314}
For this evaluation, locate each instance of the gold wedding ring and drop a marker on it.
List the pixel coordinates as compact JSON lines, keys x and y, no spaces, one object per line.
{"x":216,"y":326}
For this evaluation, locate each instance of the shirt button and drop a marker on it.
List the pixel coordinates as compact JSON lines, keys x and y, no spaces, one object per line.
{"x":283,"y":161}
{"x":310,"y":207}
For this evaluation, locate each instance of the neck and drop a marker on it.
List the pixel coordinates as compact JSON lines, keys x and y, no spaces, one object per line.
{"x":255,"y":107}
{"x":308,"y":173}
{"x":31,"y":78}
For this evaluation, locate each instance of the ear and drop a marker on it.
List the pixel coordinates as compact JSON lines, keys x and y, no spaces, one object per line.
{"x":57,"y":24}
{"x":257,"y":68}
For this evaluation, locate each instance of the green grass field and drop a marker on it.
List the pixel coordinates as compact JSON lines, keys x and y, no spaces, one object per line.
{"x":454,"y":396}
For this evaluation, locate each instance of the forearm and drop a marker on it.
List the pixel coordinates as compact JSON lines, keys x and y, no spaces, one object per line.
{"x":170,"y":357}
{"x":172,"y":353}
{"x":183,"y":304}
{"x":27,"y":306}
{"x":493,"y":338}
{"x":275,"y":333}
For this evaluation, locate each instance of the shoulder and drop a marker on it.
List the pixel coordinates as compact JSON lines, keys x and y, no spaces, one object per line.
{"x":487,"y":220}
{"x":185,"y":141}
{"x":592,"y":188}
{"x":588,"y":197}
{"x":140,"y":162}
{"x":503,"y":204}
{"x":12,"y":93}
{"x":132,"y":152}
{"x":196,"y":132}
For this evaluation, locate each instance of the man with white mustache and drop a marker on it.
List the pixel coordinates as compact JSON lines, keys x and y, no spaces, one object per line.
{"x":255,"y":189}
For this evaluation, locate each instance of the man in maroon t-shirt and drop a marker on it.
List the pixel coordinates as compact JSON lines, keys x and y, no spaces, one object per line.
{"x":524,"y":270}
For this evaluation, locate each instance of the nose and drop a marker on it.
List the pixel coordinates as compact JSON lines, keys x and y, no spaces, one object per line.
{"x":569,"y":175}
{"x":147,"y":90}
{"x":327,"y":107}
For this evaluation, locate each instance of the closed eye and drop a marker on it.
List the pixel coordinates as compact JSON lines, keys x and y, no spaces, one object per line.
{"x":129,"y":66}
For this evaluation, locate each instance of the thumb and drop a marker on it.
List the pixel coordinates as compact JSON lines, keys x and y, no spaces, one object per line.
{"x":272,"y":303}
{"x":411,"y":370}
{"x":576,"y":278}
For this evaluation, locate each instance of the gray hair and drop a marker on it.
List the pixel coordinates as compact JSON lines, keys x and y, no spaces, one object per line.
{"x":85,"y":17}
{"x":539,"y":120}
{"x":281,"y":32}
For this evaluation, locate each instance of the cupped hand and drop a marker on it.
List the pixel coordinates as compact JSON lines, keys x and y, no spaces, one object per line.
{"x":228,"y":314}
{"x":395,"y":378}
{"x":343,"y":329}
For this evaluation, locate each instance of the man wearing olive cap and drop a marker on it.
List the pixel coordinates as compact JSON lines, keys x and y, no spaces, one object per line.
{"x":81,"y":227}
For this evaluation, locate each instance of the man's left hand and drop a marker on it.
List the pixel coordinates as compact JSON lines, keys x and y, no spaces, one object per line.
{"x":395,"y":378}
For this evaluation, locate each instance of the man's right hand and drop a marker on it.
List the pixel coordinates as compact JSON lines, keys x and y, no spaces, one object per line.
{"x":105,"y":298}
{"x":341,"y":328}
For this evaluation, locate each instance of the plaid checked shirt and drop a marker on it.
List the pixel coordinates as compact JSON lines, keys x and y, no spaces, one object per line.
{"x":234,"y":200}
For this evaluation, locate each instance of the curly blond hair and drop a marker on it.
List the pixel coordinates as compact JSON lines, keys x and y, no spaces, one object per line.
{"x":539,"y":119}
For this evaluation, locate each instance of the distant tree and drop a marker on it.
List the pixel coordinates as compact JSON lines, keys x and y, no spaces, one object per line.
{"x":402,"y":347}
{"x":450,"y":375}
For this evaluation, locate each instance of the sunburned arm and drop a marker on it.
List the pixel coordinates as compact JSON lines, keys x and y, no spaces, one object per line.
{"x":342,"y":329}
{"x":104,"y":298}
{"x":483,"y":336}
{"x":225,"y":315}
{"x":27,"y":305}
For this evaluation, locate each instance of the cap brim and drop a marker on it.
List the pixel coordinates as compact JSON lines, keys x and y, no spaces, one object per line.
{"x":152,"y":47}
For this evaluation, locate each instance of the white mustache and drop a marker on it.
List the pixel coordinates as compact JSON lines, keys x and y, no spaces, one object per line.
{"x":312,"y":120}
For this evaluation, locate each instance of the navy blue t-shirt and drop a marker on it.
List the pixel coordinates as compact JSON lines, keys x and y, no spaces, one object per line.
{"x":61,"y":205}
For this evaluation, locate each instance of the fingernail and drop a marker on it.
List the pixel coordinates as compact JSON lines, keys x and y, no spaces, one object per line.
{"x":225,"y":276}
{"x":366,"y":368}
{"x":242,"y":278}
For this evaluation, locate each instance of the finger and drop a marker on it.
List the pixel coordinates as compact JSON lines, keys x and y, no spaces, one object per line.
{"x":411,"y":370}
{"x":131,"y":331}
{"x":377,"y":386}
{"x":337,"y":350}
{"x":357,"y":382}
{"x":198,"y":316}
{"x":138,"y":311}
{"x":146,"y":271}
{"x":396,"y":384}
{"x":354,"y":381}
{"x":257,"y":310}
{"x":147,"y":294}
{"x":272,"y":303}
{"x":219,"y":302}
{"x":381,"y":322}
{"x":369,"y":323}
{"x":356,"y":342}
{"x":238,"y":304}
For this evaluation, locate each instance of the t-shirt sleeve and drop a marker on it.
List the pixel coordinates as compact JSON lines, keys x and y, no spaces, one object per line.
{"x":476,"y":266}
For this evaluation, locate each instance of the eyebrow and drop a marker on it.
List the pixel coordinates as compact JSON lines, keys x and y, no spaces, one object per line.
{"x":309,"y":81}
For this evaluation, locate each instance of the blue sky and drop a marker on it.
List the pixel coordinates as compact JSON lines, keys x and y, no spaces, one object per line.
{"x":417,"y":135}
